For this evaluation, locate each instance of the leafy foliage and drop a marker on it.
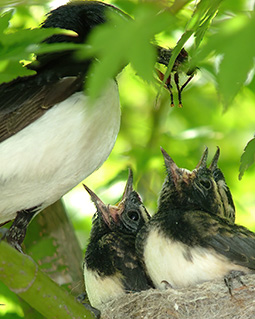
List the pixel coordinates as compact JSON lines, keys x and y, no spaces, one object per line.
{"x":248,"y":157}
{"x":124,"y":40}
{"x":18,"y":45}
{"x":237,"y":58}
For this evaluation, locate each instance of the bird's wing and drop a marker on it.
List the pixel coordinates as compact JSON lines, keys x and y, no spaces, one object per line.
{"x":24,"y":100}
{"x":126,"y":261}
{"x":232,"y":241}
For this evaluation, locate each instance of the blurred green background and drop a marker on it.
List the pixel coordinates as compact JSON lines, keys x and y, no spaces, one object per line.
{"x":204,"y":120}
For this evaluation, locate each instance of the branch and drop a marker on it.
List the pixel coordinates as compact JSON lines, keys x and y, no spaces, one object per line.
{"x":52,"y":243}
{"x":209,"y":300}
{"x":23,"y":276}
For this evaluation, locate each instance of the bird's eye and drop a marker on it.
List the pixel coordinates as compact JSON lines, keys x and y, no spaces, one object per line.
{"x":132,"y":214}
{"x":205,"y":183}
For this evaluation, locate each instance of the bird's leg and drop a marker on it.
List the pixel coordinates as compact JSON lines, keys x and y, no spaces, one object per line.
{"x":166,"y":284}
{"x":82,"y":298}
{"x":167,"y":85}
{"x":16,"y":234}
{"x":187,"y":82}
{"x":234,"y":274}
{"x":179,"y":89}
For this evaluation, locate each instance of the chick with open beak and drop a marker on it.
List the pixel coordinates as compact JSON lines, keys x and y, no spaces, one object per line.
{"x":111,"y":266}
{"x":191,"y":238}
{"x":202,"y":188}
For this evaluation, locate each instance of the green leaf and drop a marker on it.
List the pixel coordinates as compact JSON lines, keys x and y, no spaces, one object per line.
{"x":12,"y":70}
{"x":206,"y":20}
{"x":237,"y":50}
{"x":19,"y":45}
{"x":28,"y":36}
{"x":123,"y":41}
{"x":247,"y":158}
{"x":4,"y":20}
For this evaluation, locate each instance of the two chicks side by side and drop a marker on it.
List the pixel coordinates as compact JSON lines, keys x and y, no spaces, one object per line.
{"x":191,"y":238}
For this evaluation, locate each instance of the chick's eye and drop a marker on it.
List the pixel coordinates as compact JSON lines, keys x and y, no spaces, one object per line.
{"x":132,"y":214}
{"x":206,"y":183}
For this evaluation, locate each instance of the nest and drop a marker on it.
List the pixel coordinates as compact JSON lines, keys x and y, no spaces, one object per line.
{"x":209,"y":300}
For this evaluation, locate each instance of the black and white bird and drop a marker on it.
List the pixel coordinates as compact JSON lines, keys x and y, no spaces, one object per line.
{"x":184,"y":243}
{"x":51,"y":137}
{"x":111,"y":266}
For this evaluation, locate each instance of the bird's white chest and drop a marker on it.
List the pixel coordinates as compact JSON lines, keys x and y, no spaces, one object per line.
{"x":101,"y":290}
{"x":172,"y":262}
{"x":53,"y":154}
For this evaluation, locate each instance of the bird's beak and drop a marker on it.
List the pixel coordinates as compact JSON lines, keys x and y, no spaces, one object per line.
{"x":175,"y":172}
{"x":215,"y":159}
{"x":117,"y":210}
{"x":112,"y":212}
{"x":129,"y":186}
{"x":203,"y":160}
{"x":101,"y":207}
{"x":201,"y":165}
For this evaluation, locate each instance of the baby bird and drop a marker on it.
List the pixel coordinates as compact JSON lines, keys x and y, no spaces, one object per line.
{"x":111,"y":266}
{"x":207,"y":189}
{"x":189,"y":240}
{"x":223,"y":189}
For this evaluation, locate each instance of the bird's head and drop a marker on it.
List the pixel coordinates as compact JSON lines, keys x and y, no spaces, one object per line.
{"x":128,"y":216}
{"x":202,"y":188}
{"x":80,"y":17}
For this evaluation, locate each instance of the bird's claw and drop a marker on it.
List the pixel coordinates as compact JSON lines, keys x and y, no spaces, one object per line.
{"x":228,"y":279}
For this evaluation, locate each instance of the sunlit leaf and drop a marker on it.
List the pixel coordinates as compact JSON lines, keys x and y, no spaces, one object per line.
{"x":247,"y":158}
{"x":4,"y":20}
{"x":123,"y":41}
{"x":237,"y":50}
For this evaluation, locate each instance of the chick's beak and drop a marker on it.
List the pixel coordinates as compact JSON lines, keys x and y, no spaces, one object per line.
{"x":215,"y":159}
{"x":175,"y":172}
{"x":129,"y":185}
{"x":117,"y":210}
{"x":101,"y":207}
{"x":111,"y":213}
{"x":203,"y":160}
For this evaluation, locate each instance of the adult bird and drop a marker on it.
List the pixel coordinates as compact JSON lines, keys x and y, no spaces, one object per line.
{"x":111,"y":266}
{"x":184,"y":243}
{"x":51,"y":136}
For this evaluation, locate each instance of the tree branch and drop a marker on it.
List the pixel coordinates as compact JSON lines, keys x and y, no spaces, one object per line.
{"x":52,"y":243}
{"x":23,"y":276}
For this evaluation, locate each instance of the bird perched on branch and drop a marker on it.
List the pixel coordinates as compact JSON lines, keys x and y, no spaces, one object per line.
{"x":51,"y":135}
{"x":185,"y":243}
{"x":111,"y":267}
